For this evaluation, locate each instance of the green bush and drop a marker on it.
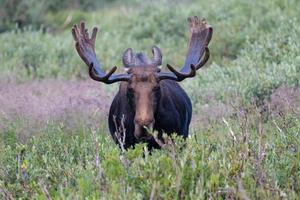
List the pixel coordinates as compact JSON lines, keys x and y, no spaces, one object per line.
{"x":254,"y":50}
{"x":22,"y":13}
{"x":37,"y":54}
{"x":211,"y":164}
{"x":261,"y":67}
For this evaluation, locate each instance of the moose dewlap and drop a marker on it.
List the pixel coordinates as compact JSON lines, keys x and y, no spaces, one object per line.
{"x":148,"y":99}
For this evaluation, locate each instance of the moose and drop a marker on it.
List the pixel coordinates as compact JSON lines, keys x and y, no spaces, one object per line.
{"x":148,"y":98}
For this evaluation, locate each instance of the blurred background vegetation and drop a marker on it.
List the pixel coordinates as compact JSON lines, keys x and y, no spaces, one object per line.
{"x":22,"y":13}
{"x":246,"y":124}
{"x":249,"y":38}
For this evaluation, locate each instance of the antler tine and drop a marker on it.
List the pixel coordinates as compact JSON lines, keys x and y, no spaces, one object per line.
{"x":85,"y":46}
{"x":200,"y":36}
{"x":181,"y":76}
{"x":106,"y":79}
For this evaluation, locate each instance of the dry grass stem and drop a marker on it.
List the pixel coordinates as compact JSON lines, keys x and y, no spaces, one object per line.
{"x":97,"y":157}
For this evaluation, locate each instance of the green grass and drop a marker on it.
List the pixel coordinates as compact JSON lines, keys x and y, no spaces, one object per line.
{"x":255,"y":159}
{"x":252,"y":152}
{"x":246,"y":42}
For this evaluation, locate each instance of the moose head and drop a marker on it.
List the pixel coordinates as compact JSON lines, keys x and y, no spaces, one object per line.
{"x":146,"y":92}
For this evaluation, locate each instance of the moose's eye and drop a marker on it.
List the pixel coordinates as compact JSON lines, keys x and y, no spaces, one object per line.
{"x":156,"y":89}
{"x":156,"y":92}
{"x":130,"y":92}
{"x":130,"y":96}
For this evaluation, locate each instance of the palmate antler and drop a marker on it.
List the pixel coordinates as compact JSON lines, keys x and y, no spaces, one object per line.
{"x":85,"y":47}
{"x":200,"y":36}
{"x":197,"y":55}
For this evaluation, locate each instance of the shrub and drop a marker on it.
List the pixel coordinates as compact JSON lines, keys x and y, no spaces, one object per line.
{"x":255,"y":161}
{"x":31,"y":12}
{"x":37,"y":54}
{"x":255,"y":50}
{"x":261,"y":67}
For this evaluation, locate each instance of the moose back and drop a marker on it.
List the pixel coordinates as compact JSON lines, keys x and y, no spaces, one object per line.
{"x":148,"y":98}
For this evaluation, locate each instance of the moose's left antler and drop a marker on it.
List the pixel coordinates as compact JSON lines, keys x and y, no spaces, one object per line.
{"x":198,"y":52}
{"x":85,"y":47}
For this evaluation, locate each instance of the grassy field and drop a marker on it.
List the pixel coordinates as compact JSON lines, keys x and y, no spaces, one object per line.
{"x":245,"y":131}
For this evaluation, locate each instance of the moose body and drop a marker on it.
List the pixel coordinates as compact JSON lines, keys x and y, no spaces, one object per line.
{"x":172,"y":113}
{"x":148,"y":98}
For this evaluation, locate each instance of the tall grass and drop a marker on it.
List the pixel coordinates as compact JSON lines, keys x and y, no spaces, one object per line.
{"x":246,"y":125}
{"x":248,"y":40}
{"x":256,"y":160}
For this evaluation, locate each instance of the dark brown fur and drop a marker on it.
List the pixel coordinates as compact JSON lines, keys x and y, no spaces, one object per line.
{"x":147,"y":98}
{"x":143,"y":101}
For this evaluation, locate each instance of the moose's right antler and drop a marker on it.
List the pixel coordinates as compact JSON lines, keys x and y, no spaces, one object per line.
{"x":200,"y":36}
{"x":85,"y":47}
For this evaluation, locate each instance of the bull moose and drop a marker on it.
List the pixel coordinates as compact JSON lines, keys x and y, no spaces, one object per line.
{"x":148,"y":98}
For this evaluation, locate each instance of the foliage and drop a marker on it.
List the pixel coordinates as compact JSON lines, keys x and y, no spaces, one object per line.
{"x":258,"y":160}
{"x":21,"y":13}
{"x":251,"y":62}
{"x":252,"y":151}
{"x":262,"y":66}
{"x":35,"y":54}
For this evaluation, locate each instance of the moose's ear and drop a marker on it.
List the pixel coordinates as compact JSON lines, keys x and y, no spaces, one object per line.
{"x":157,"y":55}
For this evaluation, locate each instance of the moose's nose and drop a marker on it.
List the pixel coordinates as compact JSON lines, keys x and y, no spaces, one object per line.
{"x":140,"y":132}
{"x":144,"y":122}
